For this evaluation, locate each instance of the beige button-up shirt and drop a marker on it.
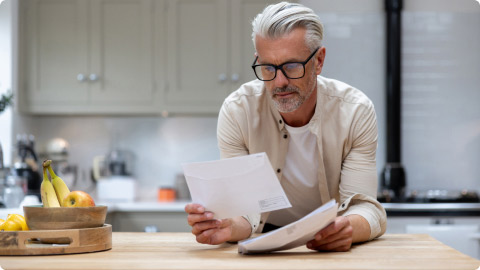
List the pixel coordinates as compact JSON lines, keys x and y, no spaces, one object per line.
{"x":345,"y":125}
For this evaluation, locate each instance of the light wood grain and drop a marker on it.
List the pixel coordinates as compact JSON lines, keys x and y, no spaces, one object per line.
{"x":180,"y":251}
{"x":46,"y":242}
{"x":60,"y":218}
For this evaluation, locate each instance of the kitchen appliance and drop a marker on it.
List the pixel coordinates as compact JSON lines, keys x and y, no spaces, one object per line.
{"x":26,"y":164}
{"x":114,"y":175}
{"x":393,"y":176}
{"x":57,"y":150}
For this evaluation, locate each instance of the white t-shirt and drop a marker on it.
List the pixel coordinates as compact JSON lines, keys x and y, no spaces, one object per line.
{"x":299,"y":179}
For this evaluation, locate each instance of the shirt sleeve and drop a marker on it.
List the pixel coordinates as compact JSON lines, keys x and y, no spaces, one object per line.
{"x":232,"y":144}
{"x":358,"y":184}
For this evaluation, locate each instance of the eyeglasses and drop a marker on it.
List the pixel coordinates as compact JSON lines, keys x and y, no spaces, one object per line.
{"x":291,"y":70}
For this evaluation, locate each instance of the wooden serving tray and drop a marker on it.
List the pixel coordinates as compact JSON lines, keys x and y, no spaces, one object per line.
{"x":48,"y":242}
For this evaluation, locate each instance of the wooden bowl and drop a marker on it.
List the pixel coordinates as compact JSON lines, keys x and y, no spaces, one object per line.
{"x":60,"y":218}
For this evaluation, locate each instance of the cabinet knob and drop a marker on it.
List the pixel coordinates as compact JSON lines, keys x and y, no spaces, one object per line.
{"x":81,"y":77}
{"x":222,"y":77}
{"x":93,"y":77}
{"x":235,"y":77}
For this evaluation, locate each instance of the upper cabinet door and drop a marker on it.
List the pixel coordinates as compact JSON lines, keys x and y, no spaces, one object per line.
{"x":242,"y":50}
{"x":121,"y":71}
{"x":55,"y":59}
{"x":197,"y":67}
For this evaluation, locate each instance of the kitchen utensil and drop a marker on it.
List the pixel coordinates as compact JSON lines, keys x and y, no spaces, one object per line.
{"x":60,"y":218}
{"x":26,"y":163}
{"x":37,"y":242}
{"x":120,"y":162}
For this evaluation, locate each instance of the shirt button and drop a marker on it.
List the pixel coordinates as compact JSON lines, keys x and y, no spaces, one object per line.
{"x":343,"y":205}
{"x":261,"y":221}
{"x":285,"y":136}
{"x":280,"y":121}
{"x":278,"y":170}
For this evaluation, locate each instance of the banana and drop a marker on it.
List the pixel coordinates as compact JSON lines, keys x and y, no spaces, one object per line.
{"x":61,"y":189}
{"x":47,"y":192}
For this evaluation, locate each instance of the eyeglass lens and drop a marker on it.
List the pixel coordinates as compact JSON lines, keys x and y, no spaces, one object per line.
{"x":291,"y":70}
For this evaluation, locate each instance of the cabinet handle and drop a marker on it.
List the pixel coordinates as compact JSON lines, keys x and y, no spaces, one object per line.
{"x":81,"y":77}
{"x":475,"y":236}
{"x":222,"y":77}
{"x":235,"y":77}
{"x":151,"y":228}
{"x":93,"y":77}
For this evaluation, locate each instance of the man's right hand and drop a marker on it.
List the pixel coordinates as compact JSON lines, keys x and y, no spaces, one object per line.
{"x":214,"y":231}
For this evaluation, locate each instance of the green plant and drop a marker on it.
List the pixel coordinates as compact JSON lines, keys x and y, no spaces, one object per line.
{"x":6,"y":100}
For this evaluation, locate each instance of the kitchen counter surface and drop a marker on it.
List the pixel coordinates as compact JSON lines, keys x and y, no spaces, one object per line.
{"x":177,"y":206}
{"x":432,"y":209}
{"x":180,"y":251}
{"x":399,"y":209}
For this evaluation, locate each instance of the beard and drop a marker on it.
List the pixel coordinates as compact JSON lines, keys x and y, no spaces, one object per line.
{"x":293,"y":102}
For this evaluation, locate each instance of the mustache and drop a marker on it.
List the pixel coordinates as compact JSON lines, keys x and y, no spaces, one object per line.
{"x":288,"y":89}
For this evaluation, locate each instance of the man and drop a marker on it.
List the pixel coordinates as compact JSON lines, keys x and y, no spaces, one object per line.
{"x":319,"y":134}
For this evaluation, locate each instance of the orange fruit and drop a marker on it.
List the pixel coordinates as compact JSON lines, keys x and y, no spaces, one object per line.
{"x":20,"y":219}
{"x":11,"y":225}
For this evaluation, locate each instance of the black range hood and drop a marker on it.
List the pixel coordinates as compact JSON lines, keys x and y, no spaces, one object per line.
{"x":393,"y":177}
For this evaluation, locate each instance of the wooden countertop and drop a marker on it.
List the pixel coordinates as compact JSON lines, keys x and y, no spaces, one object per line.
{"x":180,"y":251}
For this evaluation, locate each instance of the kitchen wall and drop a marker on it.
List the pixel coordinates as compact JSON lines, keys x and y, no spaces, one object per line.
{"x":435,"y":154}
{"x":6,"y":78}
{"x":159,"y":145}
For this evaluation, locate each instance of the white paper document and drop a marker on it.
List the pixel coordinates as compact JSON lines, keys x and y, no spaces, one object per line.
{"x":292,"y":235}
{"x":236,"y":186}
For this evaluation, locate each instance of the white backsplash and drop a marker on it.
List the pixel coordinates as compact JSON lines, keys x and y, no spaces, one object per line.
{"x":160,"y":145}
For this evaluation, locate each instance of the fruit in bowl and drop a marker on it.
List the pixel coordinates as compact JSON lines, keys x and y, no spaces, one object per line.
{"x":78,"y":198}
{"x":62,"y":208}
{"x":55,"y":193}
{"x":14,"y":222}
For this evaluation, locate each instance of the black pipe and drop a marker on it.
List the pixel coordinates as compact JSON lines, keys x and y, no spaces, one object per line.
{"x":394,"y":174}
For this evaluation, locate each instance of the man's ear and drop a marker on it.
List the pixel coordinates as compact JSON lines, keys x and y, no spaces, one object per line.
{"x":320,"y":57}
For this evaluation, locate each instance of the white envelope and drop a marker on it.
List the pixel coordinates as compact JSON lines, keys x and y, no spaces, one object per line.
{"x":236,"y":186}
{"x":292,"y":235}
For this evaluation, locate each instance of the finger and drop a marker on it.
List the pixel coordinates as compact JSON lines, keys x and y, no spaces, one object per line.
{"x":337,"y":225}
{"x":339,"y":245}
{"x":213,"y":237}
{"x":346,"y":232}
{"x":194,"y":218}
{"x":205,"y":236}
{"x":200,"y":227}
{"x":194,"y":208}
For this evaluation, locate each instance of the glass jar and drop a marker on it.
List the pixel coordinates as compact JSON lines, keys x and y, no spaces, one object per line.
{"x":14,"y":191}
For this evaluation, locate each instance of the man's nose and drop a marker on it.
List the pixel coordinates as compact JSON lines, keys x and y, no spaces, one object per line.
{"x":280,"y":80}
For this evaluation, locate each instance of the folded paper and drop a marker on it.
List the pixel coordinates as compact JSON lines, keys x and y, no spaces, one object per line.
{"x":235,"y":186}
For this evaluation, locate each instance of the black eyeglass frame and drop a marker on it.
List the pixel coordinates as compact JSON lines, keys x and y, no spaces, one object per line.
{"x":281,"y":67}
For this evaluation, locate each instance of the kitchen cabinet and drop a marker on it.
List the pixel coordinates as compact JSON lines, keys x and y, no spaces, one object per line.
{"x":461,"y":233}
{"x":210,"y":52}
{"x":133,"y":56}
{"x":87,"y":57}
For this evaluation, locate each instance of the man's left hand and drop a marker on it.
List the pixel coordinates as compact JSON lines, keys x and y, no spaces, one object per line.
{"x":338,"y":236}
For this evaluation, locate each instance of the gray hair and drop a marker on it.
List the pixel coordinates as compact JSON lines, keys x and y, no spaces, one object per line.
{"x":280,"y":19}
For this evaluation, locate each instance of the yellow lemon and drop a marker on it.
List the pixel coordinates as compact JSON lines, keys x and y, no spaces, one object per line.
{"x":11,"y":225}
{"x":19,"y":219}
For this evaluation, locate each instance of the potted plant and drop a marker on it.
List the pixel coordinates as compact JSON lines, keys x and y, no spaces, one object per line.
{"x":5,"y":101}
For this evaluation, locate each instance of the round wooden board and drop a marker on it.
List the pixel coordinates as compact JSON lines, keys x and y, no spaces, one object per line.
{"x":49,"y":242}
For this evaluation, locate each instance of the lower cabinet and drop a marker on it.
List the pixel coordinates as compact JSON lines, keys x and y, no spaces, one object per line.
{"x":148,"y":222}
{"x":461,"y":233}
